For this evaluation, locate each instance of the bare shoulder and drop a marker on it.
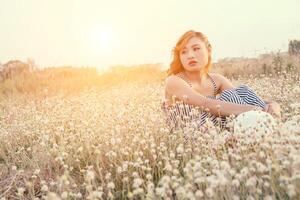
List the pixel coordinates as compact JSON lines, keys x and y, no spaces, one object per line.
{"x":172,"y":82}
{"x":172,"y":79}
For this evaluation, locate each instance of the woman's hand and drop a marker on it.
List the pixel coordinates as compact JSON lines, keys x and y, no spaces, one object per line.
{"x":274,"y":109}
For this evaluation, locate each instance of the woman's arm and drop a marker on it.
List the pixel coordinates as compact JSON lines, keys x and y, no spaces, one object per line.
{"x":274,"y":109}
{"x":225,"y":83}
{"x":179,"y":88}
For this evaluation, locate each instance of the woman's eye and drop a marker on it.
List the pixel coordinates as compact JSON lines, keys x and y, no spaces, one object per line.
{"x":183,"y":52}
{"x":197,"y":48}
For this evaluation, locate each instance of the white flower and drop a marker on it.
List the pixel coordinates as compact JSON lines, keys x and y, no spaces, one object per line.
{"x":180,"y":149}
{"x":44,"y":188}
{"x":37,"y":171}
{"x":160,"y":191}
{"x":209,"y":192}
{"x":296,"y":89}
{"x":295,"y":106}
{"x":291,"y":126}
{"x":266,"y":184}
{"x":291,"y":190}
{"x":236,"y":183}
{"x":251,"y":182}
{"x":138,"y":191}
{"x":148,"y":176}
{"x":64,"y":195}
{"x":21,"y":190}
{"x":125,"y":180}
{"x":111,"y":185}
{"x":262,"y":154}
{"x":52,"y":196}
{"x":268,"y":197}
{"x":90,"y":175}
{"x":95,"y":195}
{"x":137,"y":182}
{"x":235,"y":197}
{"x":168,"y":167}
{"x":80,"y":149}
{"x":165,"y":179}
{"x":250,"y":197}
{"x":130,"y":195}
{"x":199,"y":194}
{"x":119,"y":170}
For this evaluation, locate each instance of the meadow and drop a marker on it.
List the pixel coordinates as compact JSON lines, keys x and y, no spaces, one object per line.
{"x":112,"y":142}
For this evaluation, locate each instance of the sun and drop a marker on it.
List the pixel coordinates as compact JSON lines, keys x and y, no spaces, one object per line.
{"x":102,"y":40}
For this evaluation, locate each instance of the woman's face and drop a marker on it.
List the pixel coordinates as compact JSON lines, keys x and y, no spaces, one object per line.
{"x":194,"y":56}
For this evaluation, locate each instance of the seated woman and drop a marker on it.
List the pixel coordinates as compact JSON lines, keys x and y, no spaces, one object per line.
{"x":190,"y":83}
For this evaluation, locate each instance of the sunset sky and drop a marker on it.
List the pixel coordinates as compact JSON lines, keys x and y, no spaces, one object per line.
{"x":105,"y":33}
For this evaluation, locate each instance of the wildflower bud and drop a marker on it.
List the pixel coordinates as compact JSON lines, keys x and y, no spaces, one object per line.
{"x":199,"y":194}
{"x":37,"y":171}
{"x":291,"y":190}
{"x":209,"y":192}
{"x":44,"y":188}
{"x":52,"y":196}
{"x":64,"y":195}
{"x":111,"y":185}
{"x":206,"y":109}
{"x":21,"y":191}
{"x":130,"y":195}
{"x":185,"y":98}
{"x":180,"y":149}
{"x":79,"y":149}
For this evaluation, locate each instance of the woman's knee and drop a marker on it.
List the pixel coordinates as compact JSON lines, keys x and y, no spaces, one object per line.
{"x":226,"y":95}
{"x":244,"y":91}
{"x":231,"y":96}
{"x":243,"y":87}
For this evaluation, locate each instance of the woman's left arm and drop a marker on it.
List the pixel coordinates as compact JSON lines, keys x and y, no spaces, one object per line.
{"x":224,"y":83}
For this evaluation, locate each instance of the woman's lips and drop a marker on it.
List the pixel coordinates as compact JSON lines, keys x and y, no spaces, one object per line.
{"x":192,"y":62}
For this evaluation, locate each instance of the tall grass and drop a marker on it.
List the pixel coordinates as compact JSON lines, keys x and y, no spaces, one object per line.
{"x":113,"y":143}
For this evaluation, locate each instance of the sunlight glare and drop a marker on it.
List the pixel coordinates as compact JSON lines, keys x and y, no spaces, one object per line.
{"x":102,"y":40}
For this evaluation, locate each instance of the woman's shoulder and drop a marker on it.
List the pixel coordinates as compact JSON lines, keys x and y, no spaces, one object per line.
{"x":174,"y":78}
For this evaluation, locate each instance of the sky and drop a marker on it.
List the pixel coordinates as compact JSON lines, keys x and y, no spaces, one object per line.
{"x":100,"y":33}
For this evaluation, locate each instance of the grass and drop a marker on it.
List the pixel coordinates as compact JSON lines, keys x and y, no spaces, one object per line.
{"x":81,"y":140}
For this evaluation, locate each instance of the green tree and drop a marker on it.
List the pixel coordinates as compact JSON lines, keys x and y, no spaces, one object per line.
{"x":277,"y":61}
{"x":294,"y":47}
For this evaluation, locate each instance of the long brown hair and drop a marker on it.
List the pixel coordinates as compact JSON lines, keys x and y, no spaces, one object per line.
{"x":176,"y":65}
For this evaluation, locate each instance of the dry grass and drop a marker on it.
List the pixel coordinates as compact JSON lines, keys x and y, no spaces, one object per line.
{"x":113,"y":143}
{"x":71,"y":80}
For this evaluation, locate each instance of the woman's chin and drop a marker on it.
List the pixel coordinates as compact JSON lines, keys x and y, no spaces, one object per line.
{"x":193,"y":68}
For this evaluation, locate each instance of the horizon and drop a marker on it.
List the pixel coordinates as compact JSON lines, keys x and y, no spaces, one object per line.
{"x":99,"y":34}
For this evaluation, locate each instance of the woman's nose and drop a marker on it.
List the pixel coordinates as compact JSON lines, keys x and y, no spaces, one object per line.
{"x":190,"y":54}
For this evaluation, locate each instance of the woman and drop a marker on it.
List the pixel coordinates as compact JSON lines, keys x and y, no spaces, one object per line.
{"x":190,"y":83}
